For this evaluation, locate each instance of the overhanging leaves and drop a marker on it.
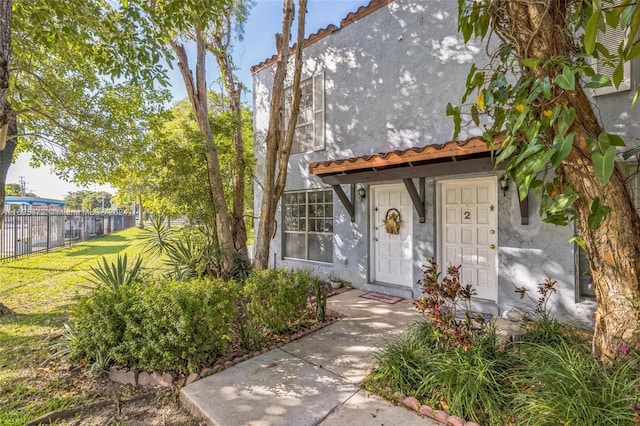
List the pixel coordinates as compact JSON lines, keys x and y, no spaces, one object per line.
{"x":598,"y":214}
{"x":603,"y":164}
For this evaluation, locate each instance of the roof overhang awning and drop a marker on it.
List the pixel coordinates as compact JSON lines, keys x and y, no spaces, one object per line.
{"x":454,"y":157}
{"x":429,"y":160}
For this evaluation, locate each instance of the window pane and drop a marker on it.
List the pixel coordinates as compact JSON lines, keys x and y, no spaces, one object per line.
{"x":585,"y":280}
{"x":294,"y":245}
{"x":321,"y":247}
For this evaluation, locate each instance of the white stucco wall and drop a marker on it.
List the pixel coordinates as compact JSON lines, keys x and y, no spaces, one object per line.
{"x":388,"y":79}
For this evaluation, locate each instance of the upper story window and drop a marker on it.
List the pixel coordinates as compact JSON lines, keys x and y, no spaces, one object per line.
{"x":309,"y":135}
{"x":611,"y":39}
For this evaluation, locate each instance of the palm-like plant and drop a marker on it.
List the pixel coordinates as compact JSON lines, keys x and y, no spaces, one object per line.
{"x":113,"y":275}
{"x":158,"y":237}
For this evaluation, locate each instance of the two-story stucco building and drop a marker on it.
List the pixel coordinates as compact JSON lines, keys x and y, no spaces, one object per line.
{"x":373,"y":143}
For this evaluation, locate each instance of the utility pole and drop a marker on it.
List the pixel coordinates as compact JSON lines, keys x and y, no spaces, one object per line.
{"x":23,"y":185}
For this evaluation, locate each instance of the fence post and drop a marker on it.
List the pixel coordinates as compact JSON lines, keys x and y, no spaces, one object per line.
{"x":48,"y":232}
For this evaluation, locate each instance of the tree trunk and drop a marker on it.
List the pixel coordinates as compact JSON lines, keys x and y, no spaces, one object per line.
{"x":9,"y":141}
{"x":141,"y":210}
{"x":197,"y":93}
{"x":234,"y":90}
{"x":535,"y":30}
{"x":278,"y":146}
{"x":613,"y":250}
{"x":6,"y":113}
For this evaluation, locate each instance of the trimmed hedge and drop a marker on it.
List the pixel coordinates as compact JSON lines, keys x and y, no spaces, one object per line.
{"x":277,"y":298}
{"x":177,"y":326}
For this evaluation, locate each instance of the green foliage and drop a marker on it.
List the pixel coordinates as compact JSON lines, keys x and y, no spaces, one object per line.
{"x":277,"y":298}
{"x":43,"y":290}
{"x":177,"y":326}
{"x":321,"y":290}
{"x":563,"y":384}
{"x":249,"y":331}
{"x":400,"y":363}
{"x":445,"y":298}
{"x":468,"y":383}
{"x":157,"y":237}
{"x":546,"y":383}
{"x":91,"y":201}
{"x":111,"y":276}
{"x":82,"y":77}
{"x":544,"y":329}
{"x":521,"y":96}
{"x":171,"y":171}
{"x":187,"y":253}
{"x":64,"y":347}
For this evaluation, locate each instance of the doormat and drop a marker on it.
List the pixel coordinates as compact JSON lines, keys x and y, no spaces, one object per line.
{"x":381,"y":297}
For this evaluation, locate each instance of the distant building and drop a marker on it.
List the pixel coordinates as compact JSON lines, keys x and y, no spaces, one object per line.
{"x":31,"y":204}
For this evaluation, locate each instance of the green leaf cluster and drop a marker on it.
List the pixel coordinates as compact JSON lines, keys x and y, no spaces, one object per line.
{"x":520,"y":96}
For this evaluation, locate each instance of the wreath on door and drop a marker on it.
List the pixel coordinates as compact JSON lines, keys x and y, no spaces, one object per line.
{"x":392,"y":221}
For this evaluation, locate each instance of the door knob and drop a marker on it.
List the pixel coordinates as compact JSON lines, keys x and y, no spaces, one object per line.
{"x":492,"y":246}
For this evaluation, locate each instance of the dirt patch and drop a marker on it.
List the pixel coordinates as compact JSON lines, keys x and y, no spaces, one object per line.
{"x":113,"y":403}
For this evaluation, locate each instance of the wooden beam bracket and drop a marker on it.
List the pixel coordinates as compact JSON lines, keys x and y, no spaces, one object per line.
{"x":348,"y":204}
{"x":416,"y":198}
{"x":524,"y":211}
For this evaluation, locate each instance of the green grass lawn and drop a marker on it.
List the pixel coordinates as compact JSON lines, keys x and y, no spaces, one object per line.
{"x":42,"y":289}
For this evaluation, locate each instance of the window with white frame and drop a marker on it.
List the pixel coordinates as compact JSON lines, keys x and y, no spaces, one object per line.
{"x":585,"y":281}
{"x":308,"y":225}
{"x":309,"y":134}
{"x":611,"y":38}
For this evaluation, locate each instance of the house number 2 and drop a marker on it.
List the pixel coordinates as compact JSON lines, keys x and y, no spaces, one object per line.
{"x":467,"y":215}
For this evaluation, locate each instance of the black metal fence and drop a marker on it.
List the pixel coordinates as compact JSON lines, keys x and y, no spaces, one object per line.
{"x":26,"y":233}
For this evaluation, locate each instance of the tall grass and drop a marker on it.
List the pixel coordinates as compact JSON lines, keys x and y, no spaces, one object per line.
{"x":550,"y":383}
{"x":563,"y":382}
{"x":469,"y":383}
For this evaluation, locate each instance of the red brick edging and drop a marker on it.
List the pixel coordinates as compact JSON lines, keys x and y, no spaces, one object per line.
{"x":438,"y":415}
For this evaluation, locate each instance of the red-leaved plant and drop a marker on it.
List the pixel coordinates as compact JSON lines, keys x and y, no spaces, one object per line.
{"x":446,"y":304}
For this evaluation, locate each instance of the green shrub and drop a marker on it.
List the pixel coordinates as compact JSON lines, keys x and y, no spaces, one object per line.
{"x":277,"y":298}
{"x":564,"y":384}
{"x":470,"y":382}
{"x":177,"y":326}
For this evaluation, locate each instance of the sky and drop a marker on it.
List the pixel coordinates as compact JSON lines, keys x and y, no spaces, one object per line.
{"x":258,"y":44}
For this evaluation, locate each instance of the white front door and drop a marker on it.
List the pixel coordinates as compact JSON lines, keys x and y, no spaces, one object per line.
{"x":469,"y":234}
{"x":392,"y":255}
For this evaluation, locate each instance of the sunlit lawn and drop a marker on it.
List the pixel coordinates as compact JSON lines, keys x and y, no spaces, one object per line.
{"x":42,"y":290}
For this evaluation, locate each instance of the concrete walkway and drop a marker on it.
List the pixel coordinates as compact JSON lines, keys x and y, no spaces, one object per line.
{"x":313,"y":380}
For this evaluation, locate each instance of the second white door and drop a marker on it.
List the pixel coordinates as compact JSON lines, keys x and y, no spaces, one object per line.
{"x":468,"y":232}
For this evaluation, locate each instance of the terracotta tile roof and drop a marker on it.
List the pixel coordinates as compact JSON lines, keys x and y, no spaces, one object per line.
{"x":406,"y":157}
{"x":323,"y":32}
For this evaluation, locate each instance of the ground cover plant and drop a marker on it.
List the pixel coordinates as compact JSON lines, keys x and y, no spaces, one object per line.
{"x":548,"y":377}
